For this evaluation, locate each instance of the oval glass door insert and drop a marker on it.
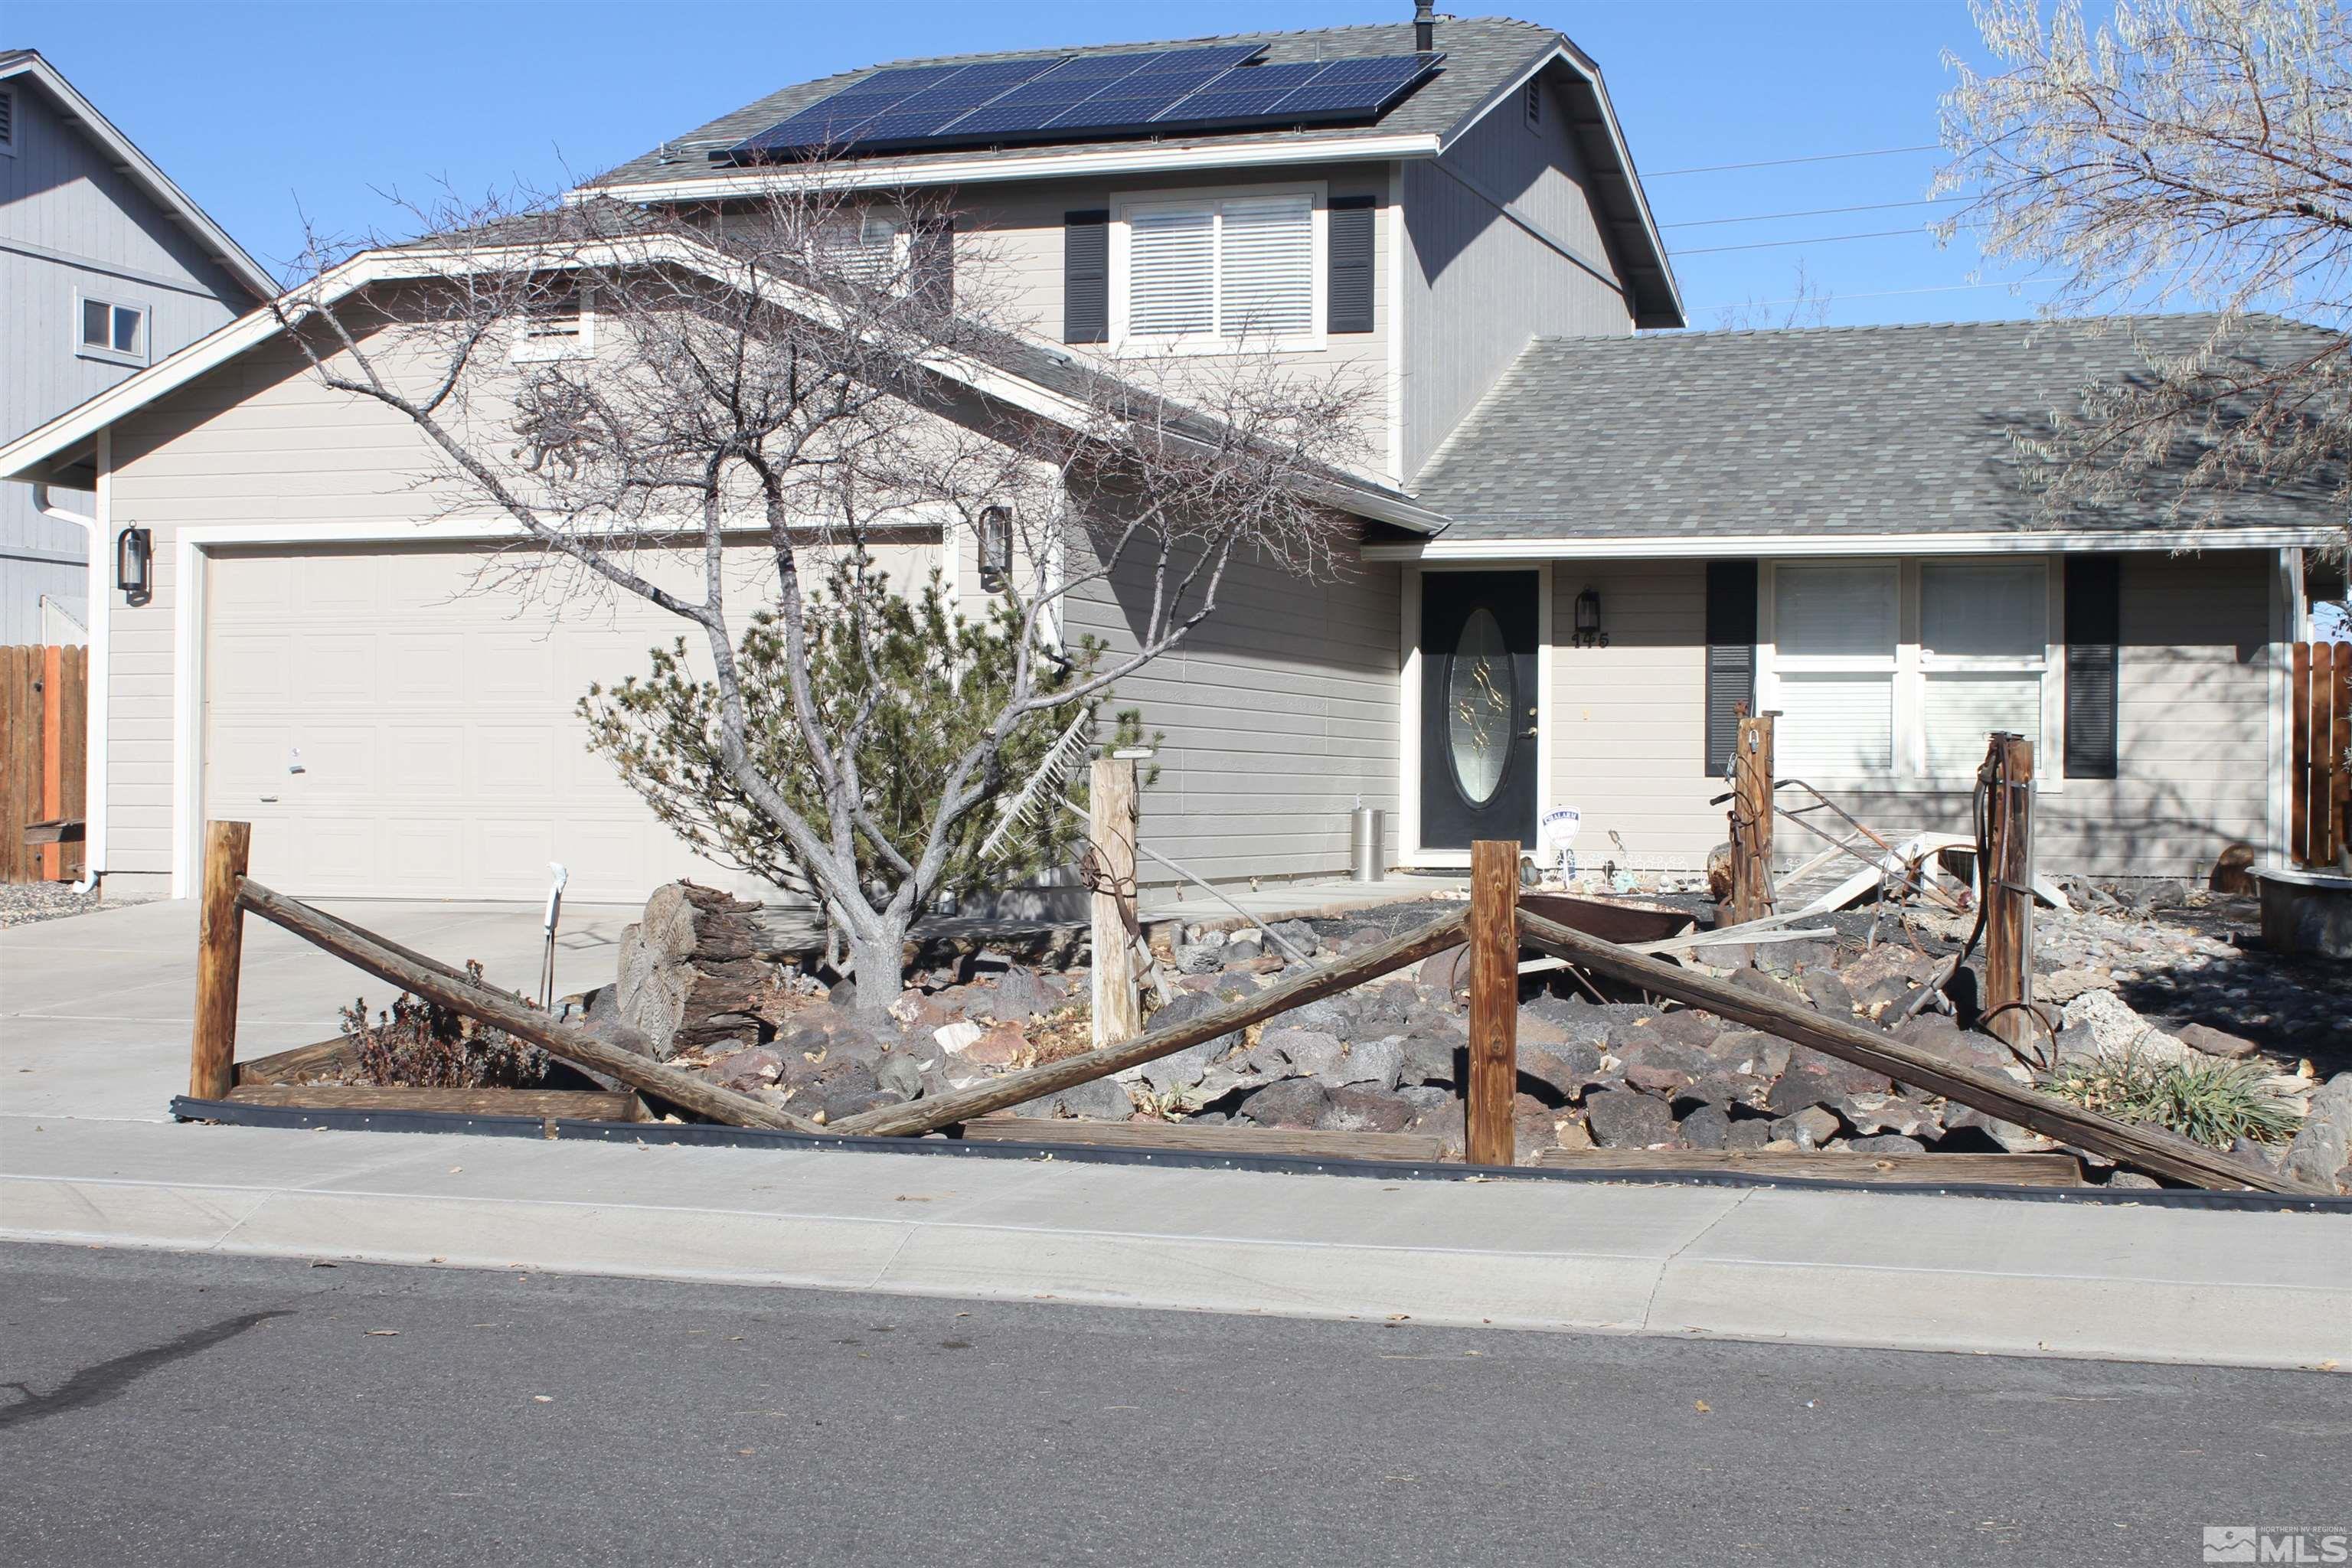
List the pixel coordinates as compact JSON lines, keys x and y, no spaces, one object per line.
{"x":1479,"y":699}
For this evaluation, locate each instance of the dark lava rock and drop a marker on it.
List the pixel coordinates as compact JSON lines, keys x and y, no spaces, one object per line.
{"x":1563,"y":1070}
{"x":1620,"y":1118}
{"x":1887,"y":1143}
{"x":1746,"y":1132}
{"x":1430,"y":1058}
{"x":1101,"y":1100}
{"x":1707,"y":1127}
{"x":744,"y":1071}
{"x":1765,"y":985}
{"x":1358,"y":1107}
{"x":1752,"y":1052}
{"x":1828,"y":993}
{"x":1017,"y":997}
{"x":1293,"y":1102}
{"x":842,"y":1104}
{"x":1809,"y":1128}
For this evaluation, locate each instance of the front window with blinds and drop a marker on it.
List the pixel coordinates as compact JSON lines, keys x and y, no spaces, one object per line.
{"x":1899,"y":671}
{"x":1220,"y":272}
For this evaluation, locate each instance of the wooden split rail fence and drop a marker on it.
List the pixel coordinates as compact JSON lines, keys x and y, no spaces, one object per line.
{"x":1495,"y":929}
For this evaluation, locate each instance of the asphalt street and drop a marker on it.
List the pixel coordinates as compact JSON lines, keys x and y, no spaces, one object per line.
{"x":183,"y":1409}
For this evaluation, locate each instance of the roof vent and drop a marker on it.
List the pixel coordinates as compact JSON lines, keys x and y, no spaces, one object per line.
{"x":1424,"y":28}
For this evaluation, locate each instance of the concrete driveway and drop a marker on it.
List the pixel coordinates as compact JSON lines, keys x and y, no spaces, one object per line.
{"x":95,"y":1009}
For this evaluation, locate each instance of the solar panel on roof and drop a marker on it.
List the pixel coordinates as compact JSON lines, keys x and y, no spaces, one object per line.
{"x":1217,"y":58}
{"x":1063,"y":97}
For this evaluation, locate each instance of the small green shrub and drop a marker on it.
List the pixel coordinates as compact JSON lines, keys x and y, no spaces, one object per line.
{"x":2216,"y":1103}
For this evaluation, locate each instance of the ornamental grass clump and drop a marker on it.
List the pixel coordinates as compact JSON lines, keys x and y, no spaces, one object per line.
{"x":2215,"y":1103}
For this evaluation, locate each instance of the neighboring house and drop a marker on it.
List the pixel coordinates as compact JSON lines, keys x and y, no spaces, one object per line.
{"x":105,"y":268}
{"x":1579,"y":547}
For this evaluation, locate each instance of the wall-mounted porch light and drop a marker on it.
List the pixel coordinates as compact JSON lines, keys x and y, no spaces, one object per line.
{"x":995,"y":547}
{"x":1588,"y":620}
{"x":134,"y":564}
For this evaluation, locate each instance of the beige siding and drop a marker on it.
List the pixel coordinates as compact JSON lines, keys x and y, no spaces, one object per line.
{"x":1280,"y":711}
{"x":2194,"y":693}
{"x":1628,"y":731}
{"x":1478,"y":285}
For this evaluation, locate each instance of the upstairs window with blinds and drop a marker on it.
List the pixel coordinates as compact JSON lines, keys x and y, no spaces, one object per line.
{"x":1898,"y":670}
{"x":1222,"y":273}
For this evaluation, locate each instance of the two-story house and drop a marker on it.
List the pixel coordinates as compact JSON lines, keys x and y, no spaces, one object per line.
{"x":106,"y":266}
{"x":1579,"y":541}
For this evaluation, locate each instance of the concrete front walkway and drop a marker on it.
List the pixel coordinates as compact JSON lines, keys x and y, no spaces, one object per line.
{"x":93,"y":1040}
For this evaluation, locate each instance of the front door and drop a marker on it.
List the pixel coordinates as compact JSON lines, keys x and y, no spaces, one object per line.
{"x":1478,"y":708}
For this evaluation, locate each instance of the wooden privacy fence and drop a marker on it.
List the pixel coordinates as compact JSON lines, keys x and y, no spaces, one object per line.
{"x":1493,"y":929}
{"x":43,"y":690}
{"x":2319,"y":772}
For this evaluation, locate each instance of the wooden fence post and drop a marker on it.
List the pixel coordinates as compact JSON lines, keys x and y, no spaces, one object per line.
{"x":1110,"y":837}
{"x":1752,"y":821}
{"x":1494,"y":1076}
{"x":220,"y":949}
{"x":2006,"y":884}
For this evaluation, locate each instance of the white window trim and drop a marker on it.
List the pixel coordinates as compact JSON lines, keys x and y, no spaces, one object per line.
{"x":1318,"y":264}
{"x":8,"y":142}
{"x":141,"y":356}
{"x":1911,"y":668}
{"x":550,"y":340}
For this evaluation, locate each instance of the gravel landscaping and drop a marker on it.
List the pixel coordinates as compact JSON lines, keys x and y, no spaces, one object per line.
{"x":28,"y":903}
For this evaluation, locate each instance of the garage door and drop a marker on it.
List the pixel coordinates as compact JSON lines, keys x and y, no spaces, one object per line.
{"x":391,"y":727}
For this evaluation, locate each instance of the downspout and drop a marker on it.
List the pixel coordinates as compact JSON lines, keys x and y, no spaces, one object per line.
{"x":93,"y":767}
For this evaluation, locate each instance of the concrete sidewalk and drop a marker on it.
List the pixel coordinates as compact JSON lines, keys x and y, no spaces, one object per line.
{"x":93,"y":1044}
{"x":1843,"y":1268}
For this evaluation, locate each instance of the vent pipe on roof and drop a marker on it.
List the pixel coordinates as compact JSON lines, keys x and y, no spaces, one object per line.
{"x":1424,"y":28}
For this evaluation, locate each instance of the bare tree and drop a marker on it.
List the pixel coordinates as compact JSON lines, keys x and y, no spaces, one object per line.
{"x":717,"y":414}
{"x":1807,"y":305}
{"x":2185,"y":152}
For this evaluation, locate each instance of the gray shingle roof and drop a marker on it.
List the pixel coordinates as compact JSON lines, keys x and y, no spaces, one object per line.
{"x":1481,"y":55}
{"x":1865,"y":430}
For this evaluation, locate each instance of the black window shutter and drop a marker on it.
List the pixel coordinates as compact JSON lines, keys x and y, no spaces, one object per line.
{"x":934,"y":263}
{"x":1351,"y":256}
{"x":1730,"y":657}
{"x":2094,"y":629}
{"x":1086,"y":278}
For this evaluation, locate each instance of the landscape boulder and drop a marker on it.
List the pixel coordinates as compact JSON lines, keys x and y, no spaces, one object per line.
{"x":1623,"y":1119}
{"x":2321,"y":1155}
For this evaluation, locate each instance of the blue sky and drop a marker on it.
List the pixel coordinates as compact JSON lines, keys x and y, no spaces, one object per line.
{"x":265,"y":111}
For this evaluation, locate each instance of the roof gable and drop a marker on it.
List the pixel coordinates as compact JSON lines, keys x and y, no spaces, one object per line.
{"x":1487,"y":60}
{"x":19,"y":66}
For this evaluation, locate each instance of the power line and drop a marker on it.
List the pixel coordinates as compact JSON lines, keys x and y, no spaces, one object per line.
{"x":1812,"y":211}
{"x":1885,"y":293}
{"x":1782,"y":244}
{"x":1780,"y":163}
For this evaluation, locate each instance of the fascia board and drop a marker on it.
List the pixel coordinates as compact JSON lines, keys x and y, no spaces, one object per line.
{"x":1702,"y":547}
{"x":943,"y":169}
